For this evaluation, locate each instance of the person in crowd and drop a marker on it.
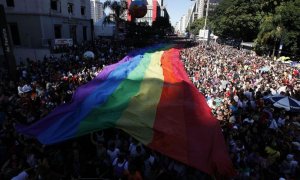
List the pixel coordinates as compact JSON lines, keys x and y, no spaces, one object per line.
{"x":263,"y":141}
{"x":237,"y":85}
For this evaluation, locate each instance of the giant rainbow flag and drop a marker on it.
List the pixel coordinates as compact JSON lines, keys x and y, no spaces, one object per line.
{"x":148,"y":95}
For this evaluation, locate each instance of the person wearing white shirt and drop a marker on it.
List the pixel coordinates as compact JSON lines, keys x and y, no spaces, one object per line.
{"x":273,"y":124}
{"x":120,"y":165}
{"x":249,"y":120}
{"x":281,"y":121}
{"x":113,"y":152}
{"x":22,"y":176}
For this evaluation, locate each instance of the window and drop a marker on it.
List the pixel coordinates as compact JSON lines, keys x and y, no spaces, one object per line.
{"x":73,"y":33}
{"x":10,"y":3}
{"x":84,"y":33}
{"x":14,"y":30}
{"x":82,"y":10}
{"x":57,"y":31}
{"x":53,"y":4}
{"x":70,"y":8}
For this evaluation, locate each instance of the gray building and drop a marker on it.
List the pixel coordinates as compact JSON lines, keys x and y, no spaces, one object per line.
{"x":201,"y":6}
{"x":97,"y":10}
{"x":198,"y":10}
{"x":37,"y":23}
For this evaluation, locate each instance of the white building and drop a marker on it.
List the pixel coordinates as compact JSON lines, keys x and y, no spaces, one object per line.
{"x":182,"y":29}
{"x":196,"y":11}
{"x":190,"y":17}
{"x":97,"y":10}
{"x":177,"y":27}
{"x":104,"y":30}
{"x":201,"y":8}
{"x":202,"y":4}
{"x":37,"y":23}
{"x":36,"y":26}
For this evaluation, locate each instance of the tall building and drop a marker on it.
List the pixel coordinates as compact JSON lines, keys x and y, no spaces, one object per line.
{"x":177,"y":27}
{"x":200,"y":8}
{"x":155,"y":8}
{"x":187,"y":19}
{"x":36,"y":24}
{"x":202,"y":4}
{"x":97,"y":10}
{"x":197,"y":11}
{"x":183,"y":23}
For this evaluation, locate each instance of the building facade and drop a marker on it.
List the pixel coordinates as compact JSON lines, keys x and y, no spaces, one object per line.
{"x":182,"y":24}
{"x":202,"y":5}
{"x":196,"y":11}
{"x":155,"y":8}
{"x":200,"y":8}
{"x":97,"y":10}
{"x":38,"y":23}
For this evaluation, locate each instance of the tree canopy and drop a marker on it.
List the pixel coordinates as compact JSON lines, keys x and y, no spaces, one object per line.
{"x":197,"y":25}
{"x":161,"y":26}
{"x":118,"y":11}
{"x":267,"y":22}
{"x":237,"y":19}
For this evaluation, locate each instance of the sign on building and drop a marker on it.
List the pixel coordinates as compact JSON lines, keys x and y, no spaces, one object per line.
{"x":59,"y":42}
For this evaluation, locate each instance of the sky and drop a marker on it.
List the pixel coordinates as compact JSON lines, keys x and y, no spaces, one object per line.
{"x":176,"y":8}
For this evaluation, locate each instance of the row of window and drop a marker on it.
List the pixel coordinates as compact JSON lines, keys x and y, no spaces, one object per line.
{"x":73,"y":31}
{"x":14,"y":30}
{"x":70,"y":7}
{"x":54,"y":6}
{"x":10,"y":3}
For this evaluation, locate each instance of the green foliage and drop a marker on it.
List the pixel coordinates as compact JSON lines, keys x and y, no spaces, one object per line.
{"x":161,"y":26}
{"x":236,"y":19}
{"x":138,"y":31}
{"x":118,"y":9}
{"x":268,"y":22}
{"x":270,"y":32}
{"x":290,"y":18}
{"x":197,"y":25}
{"x":281,"y":25}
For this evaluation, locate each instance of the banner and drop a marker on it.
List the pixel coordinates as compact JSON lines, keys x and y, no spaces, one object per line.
{"x":68,"y":42}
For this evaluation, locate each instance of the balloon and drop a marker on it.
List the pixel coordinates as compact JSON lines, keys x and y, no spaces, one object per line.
{"x":138,"y":9}
{"x":89,"y":55}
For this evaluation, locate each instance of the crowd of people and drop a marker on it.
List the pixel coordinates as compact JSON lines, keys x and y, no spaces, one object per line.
{"x":263,"y":140}
{"x":109,"y":154}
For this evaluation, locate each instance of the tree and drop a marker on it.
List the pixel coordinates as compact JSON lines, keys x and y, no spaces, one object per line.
{"x":118,"y":12}
{"x":270,"y":33}
{"x":140,"y":30}
{"x":290,"y":18}
{"x":282,"y":26}
{"x":161,"y":26}
{"x":268,"y":22}
{"x":237,"y":19}
{"x":197,"y":25}
{"x":269,"y":6}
